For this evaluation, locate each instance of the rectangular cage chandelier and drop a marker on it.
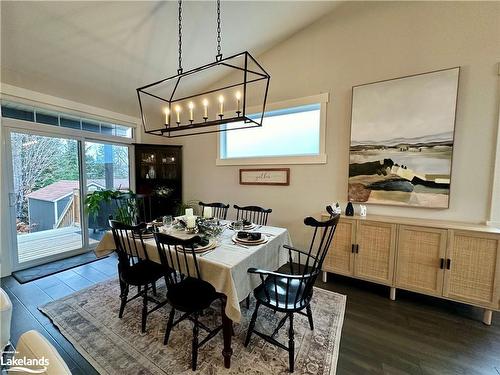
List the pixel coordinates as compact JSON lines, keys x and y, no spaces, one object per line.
{"x":177,"y":107}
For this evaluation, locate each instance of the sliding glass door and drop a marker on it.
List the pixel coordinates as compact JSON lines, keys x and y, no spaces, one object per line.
{"x":49,"y":177}
{"x":45,"y":200}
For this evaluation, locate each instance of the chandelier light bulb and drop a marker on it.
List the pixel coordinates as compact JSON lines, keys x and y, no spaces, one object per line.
{"x":167,"y":114}
{"x":178,"y":110}
{"x":191,"y":106}
{"x":205,"y":105}
{"x":238,"y":101}
{"x":221,"y":105}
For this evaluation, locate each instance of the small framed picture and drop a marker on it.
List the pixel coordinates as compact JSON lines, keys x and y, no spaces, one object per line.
{"x":265,"y":176}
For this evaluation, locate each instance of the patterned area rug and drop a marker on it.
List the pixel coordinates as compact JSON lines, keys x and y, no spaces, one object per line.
{"x":89,"y":320}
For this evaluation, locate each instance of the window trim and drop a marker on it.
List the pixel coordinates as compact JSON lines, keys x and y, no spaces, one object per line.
{"x":321,"y":158}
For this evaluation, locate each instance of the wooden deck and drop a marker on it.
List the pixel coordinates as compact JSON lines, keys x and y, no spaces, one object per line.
{"x":38,"y":245}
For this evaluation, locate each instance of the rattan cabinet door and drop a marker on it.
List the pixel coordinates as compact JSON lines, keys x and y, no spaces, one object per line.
{"x":340,"y":258}
{"x":473,"y":275}
{"x":374,"y":259}
{"x":420,"y":259}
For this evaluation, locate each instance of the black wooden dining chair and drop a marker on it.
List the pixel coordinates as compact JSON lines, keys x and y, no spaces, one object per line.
{"x":135,"y":268}
{"x":292,"y":293}
{"x":187,"y":291}
{"x":219,"y":210}
{"x":254,"y":214}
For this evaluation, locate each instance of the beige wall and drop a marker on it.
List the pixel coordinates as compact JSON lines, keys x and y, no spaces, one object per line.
{"x":360,"y":43}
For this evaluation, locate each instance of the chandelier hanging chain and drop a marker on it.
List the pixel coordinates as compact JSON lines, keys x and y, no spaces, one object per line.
{"x":219,"y":53}
{"x":179,"y":71}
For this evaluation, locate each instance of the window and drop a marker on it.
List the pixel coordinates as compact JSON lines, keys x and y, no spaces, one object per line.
{"x":47,"y":118}
{"x":42,"y":116}
{"x":18,"y":112}
{"x":291,"y":133}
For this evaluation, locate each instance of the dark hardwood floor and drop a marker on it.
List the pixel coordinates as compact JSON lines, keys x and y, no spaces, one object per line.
{"x":413,"y":335}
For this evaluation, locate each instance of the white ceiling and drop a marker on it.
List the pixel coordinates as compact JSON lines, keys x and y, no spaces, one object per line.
{"x":98,"y":53}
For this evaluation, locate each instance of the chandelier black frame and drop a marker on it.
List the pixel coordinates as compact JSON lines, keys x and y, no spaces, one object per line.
{"x":252,"y":72}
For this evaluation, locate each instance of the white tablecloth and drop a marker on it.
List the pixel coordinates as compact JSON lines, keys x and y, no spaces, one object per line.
{"x":226,"y":266}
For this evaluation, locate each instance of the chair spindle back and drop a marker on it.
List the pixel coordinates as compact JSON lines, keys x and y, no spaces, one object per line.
{"x":254,"y":214}
{"x":219,"y":210}
{"x":129,"y":242}
{"x":178,"y":256}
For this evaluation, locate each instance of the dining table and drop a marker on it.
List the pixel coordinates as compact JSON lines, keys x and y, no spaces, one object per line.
{"x":225,"y":267}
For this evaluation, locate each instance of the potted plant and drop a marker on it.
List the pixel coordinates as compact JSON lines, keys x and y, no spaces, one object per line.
{"x":125,"y":209}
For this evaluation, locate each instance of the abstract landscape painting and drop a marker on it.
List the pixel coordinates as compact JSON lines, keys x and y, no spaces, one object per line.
{"x":402,"y":133}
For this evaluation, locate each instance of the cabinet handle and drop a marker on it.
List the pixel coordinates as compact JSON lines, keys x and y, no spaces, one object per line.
{"x":352,"y":248}
{"x":357,"y":248}
{"x":441,"y":263}
{"x":448,"y":263}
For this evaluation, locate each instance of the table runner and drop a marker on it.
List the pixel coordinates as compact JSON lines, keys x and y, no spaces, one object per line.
{"x":226,"y":266}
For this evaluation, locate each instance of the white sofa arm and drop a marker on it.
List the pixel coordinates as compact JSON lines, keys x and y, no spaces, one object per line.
{"x":5,"y":318}
{"x":34,"y":345}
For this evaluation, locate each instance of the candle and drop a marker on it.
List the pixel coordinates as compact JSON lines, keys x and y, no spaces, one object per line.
{"x":205,"y":106}
{"x":178,"y":110}
{"x":167,"y":113}
{"x":238,"y":98}
{"x":189,"y":212}
{"x":207,"y":212}
{"x":191,"y":106}
{"x":191,"y":222}
{"x":221,"y":105}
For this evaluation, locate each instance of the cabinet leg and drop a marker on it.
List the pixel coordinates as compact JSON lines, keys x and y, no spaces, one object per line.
{"x":325,"y":276}
{"x":488,"y":314}
{"x":392,"y":294}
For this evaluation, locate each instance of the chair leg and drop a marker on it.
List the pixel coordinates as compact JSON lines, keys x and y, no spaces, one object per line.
{"x":310,"y":317}
{"x":123,"y":298}
{"x":291,"y":345}
{"x":169,"y":326}
{"x":194,"y":358}
{"x":247,"y":301}
{"x":251,"y":326}
{"x":153,"y":286}
{"x":144,"y":309}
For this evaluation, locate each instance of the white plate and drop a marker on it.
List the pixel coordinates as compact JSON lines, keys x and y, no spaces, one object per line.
{"x":263,"y":240}
{"x":246,"y":227}
{"x":210,"y":245}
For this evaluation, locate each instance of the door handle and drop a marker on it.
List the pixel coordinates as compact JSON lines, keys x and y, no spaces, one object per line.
{"x":12,"y":199}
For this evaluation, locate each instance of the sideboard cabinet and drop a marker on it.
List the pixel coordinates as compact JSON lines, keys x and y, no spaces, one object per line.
{"x":455,"y":261}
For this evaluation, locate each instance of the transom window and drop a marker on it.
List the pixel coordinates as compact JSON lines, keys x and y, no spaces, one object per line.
{"x":64,"y":120}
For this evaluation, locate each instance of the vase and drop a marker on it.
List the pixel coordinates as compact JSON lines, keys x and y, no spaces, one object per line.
{"x":349,"y":210}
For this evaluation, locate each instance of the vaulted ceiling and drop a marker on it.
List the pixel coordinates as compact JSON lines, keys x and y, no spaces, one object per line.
{"x":98,"y":53}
